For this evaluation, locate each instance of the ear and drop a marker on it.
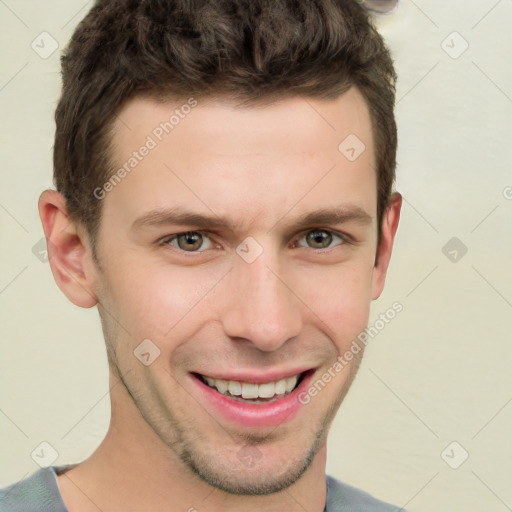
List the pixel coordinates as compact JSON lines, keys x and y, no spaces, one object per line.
{"x":68,"y":251}
{"x":390,"y":221}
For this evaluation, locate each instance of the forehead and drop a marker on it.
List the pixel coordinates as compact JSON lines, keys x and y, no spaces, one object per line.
{"x":311,"y":123}
{"x":256,"y":160}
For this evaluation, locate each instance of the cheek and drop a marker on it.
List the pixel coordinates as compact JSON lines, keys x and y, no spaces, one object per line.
{"x":156,"y":301}
{"x":341,"y":299}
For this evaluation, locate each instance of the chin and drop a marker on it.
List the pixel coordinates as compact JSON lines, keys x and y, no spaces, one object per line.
{"x":249,"y":474}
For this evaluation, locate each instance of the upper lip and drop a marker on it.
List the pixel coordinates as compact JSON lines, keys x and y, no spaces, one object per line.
{"x":254,"y":376}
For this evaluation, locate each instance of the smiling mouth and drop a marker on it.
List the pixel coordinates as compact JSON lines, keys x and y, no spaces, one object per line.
{"x":253,"y":393}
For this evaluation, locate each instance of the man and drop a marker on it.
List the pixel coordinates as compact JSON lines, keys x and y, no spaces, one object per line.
{"x":224,"y":178}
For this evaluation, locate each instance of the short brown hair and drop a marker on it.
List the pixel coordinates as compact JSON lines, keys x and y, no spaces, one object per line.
{"x":246,"y":50}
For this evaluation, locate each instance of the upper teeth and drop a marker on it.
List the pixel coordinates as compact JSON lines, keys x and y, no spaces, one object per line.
{"x":251,"y":390}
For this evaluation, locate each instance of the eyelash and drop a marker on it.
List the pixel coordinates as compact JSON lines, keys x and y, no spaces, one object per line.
{"x":345,"y":239}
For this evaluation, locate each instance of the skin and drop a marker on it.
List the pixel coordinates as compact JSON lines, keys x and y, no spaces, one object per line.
{"x":295,"y":306}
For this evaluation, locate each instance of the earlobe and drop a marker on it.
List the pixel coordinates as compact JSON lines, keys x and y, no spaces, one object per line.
{"x":68,"y":251}
{"x":390,"y":222}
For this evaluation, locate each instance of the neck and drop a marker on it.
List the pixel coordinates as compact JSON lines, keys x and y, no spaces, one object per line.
{"x":134,"y":470}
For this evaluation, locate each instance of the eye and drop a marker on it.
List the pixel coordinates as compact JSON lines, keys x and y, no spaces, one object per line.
{"x":190,"y":241}
{"x":319,"y":239}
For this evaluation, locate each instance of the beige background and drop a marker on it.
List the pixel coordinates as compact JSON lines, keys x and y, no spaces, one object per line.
{"x":439,"y":372}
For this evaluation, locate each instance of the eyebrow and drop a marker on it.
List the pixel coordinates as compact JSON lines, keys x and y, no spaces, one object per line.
{"x":179,"y":216}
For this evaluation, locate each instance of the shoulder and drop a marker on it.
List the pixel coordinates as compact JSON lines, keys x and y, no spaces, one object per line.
{"x":37,"y":493}
{"x":342,"y":497}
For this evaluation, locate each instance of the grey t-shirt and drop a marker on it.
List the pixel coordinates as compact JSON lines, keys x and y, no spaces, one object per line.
{"x":40,"y":493}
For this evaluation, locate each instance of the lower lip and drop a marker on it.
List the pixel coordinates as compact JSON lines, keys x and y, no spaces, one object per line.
{"x":247,"y":414}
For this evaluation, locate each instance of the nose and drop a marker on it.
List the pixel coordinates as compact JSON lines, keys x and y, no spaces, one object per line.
{"x":262,"y":307}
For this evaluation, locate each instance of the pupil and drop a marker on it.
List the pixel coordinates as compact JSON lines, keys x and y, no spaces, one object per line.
{"x":319,"y":239}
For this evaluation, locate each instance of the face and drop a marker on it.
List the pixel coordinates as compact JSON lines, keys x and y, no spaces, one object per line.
{"x":241,"y":246}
